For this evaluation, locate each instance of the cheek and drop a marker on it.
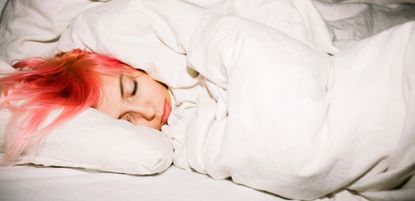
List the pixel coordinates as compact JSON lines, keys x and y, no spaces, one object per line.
{"x":162,"y":90}
{"x":109,"y":105}
{"x":155,"y":90}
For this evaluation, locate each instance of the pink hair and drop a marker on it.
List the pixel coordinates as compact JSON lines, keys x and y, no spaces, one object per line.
{"x":68,"y":82}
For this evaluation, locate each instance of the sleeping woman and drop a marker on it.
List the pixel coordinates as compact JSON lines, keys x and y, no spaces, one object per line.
{"x":261,"y":103}
{"x":71,"y":82}
{"x":299,"y":153}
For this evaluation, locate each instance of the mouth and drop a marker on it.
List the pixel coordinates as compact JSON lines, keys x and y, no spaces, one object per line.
{"x":166,"y":112}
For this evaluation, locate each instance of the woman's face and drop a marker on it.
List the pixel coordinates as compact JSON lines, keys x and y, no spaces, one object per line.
{"x":136,"y":98}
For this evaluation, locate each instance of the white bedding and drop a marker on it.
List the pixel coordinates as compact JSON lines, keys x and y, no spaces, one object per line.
{"x":34,"y":183}
{"x":303,"y":128}
{"x":273,"y":110}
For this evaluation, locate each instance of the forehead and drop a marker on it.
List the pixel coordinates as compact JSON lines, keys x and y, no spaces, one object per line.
{"x":110,"y":95}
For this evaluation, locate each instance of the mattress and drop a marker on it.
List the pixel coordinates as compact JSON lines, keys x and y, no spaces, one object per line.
{"x":38,"y":183}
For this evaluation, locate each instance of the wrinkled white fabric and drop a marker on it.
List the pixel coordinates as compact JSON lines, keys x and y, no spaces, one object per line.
{"x":358,"y":19}
{"x":268,"y":106}
{"x":303,"y":128}
{"x":258,"y":98}
{"x":32,"y":28}
{"x":154,"y":35}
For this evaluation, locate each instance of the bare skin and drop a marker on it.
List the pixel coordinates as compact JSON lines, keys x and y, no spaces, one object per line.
{"x":136,"y":98}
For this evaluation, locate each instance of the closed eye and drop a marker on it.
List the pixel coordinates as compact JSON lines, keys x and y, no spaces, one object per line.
{"x":135,"y":88}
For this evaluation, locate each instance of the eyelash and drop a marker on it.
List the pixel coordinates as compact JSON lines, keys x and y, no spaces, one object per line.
{"x":134,"y":89}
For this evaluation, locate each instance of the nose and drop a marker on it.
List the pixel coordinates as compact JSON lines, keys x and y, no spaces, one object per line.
{"x":146,"y":110}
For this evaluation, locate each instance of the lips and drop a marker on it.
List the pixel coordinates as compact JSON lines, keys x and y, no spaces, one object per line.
{"x":166,"y":112}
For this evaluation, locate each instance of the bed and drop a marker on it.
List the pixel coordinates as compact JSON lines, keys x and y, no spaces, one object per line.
{"x":37,"y":183}
{"x":66,"y":168}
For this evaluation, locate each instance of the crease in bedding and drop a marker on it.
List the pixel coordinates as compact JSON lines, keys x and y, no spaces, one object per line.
{"x":296,"y":106}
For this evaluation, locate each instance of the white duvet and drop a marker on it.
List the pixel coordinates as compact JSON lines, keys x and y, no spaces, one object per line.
{"x":296,"y":122}
{"x":263,"y":96}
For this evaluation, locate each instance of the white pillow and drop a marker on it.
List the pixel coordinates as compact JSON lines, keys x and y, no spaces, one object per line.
{"x":91,"y":140}
{"x":96,"y":141}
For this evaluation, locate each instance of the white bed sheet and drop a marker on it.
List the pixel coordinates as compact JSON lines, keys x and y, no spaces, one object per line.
{"x":32,"y":183}
{"x":38,"y":183}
